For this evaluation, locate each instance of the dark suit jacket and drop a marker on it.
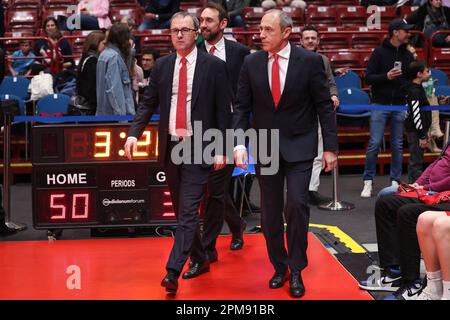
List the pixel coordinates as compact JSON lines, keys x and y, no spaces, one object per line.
{"x":305,"y":95}
{"x":210,"y":102}
{"x":235,"y":53}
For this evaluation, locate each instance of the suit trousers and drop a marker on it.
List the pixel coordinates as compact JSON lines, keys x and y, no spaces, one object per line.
{"x":396,"y":220}
{"x":187,"y":184}
{"x":296,"y":214}
{"x":219,"y":207}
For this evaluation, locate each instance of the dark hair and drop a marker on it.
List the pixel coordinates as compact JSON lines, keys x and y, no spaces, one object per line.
{"x":223,"y":14}
{"x":119,"y":36}
{"x":309,"y":27}
{"x":92,"y":41}
{"x":153,"y":52}
{"x":414,"y":68}
{"x":58,"y":31}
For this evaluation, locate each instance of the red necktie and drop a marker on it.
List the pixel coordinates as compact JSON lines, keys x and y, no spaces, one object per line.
{"x":212,"y":49}
{"x":181,"y":125}
{"x":276,"y":91}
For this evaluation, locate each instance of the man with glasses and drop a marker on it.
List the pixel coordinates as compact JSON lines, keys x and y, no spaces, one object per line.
{"x":190,"y":87}
{"x":219,"y":206}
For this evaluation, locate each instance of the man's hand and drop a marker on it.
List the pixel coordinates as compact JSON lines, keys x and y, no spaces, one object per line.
{"x":219,"y":162}
{"x":443,"y":100}
{"x":394,"y":73}
{"x":335,"y":102}
{"x":241,"y":158}
{"x":341,"y":71}
{"x":329,"y":161}
{"x":130,"y":147}
{"x":423,"y":143}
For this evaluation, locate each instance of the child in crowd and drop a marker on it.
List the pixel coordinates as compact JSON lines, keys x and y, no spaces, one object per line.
{"x":418,"y":121}
{"x":19,"y":65}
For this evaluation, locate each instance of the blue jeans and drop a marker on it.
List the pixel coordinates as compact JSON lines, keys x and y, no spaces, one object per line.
{"x":378,"y":121}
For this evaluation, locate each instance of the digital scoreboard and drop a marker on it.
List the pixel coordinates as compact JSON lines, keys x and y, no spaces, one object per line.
{"x":82,"y":178}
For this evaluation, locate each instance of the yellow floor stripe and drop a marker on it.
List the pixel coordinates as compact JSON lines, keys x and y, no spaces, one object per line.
{"x":342,"y":236}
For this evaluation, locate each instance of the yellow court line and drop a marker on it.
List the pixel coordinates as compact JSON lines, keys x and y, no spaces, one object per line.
{"x":342,"y":236}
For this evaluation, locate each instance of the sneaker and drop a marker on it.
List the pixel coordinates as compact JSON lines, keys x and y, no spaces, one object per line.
{"x":401,"y":3}
{"x":388,"y":282}
{"x":367,"y":190}
{"x":409,"y":291}
{"x":427,"y":295}
{"x":394,"y":184}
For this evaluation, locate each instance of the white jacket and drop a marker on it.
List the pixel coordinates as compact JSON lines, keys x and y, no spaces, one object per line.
{"x":41,"y":85}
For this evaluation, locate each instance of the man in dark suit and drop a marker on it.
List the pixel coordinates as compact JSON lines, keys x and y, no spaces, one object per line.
{"x":189,"y":88}
{"x":285,"y":88}
{"x":219,"y":205}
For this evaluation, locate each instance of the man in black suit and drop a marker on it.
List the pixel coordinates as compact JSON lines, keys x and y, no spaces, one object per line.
{"x":189,"y":88}
{"x":285,"y":88}
{"x":219,"y":205}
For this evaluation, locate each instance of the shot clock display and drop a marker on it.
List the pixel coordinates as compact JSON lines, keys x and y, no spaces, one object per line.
{"x":82,"y":178}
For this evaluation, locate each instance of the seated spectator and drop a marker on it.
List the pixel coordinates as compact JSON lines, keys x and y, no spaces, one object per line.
{"x":431,"y":17}
{"x":52,"y":49}
{"x":94,"y":14}
{"x":87,"y":70}
{"x":149,"y":57}
{"x":433,"y":231}
{"x":283,"y":3}
{"x":158,"y":14}
{"x":22,"y":66}
{"x":114,"y":70}
{"x":396,"y":219}
{"x":234,"y":10}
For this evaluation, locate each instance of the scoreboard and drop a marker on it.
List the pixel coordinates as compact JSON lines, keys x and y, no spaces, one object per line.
{"x":82,"y":178}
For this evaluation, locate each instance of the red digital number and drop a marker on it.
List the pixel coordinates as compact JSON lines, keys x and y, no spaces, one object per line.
{"x":79,"y":145}
{"x":79,"y":206}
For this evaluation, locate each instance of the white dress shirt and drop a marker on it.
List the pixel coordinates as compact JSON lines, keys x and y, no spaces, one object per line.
{"x":219,"y":52}
{"x":191,"y":62}
{"x":283,"y":62}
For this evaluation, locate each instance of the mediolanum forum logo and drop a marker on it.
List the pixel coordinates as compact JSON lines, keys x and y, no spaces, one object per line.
{"x":107,"y":202}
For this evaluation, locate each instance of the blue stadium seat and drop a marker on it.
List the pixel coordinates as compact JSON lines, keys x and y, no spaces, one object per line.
{"x":349,"y":80}
{"x":17,"y":86}
{"x":442,"y":90}
{"x":53,"y":104}
{"x":353,"y":96}
{"x":442,"y":79}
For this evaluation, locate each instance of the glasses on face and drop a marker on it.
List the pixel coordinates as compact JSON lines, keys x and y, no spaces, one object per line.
{"x":183,"y":31}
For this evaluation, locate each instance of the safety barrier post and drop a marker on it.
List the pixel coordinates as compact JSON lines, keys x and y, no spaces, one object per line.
{"x":335,"y":204}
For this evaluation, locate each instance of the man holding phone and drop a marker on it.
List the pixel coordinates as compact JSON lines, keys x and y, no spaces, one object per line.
{"x":386,"y":75}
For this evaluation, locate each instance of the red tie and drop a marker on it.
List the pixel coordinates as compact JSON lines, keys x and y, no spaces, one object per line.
{"x":276,"y":91}
{"x":212,"y":49}
{"x":181,"y":125}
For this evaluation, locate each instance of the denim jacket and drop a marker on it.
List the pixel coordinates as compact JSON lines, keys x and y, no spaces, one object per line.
{"x":114,"y":96}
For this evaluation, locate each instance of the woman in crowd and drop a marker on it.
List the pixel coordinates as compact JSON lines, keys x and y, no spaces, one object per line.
{"x":114,"y":74}
{"x":87,"y":69}
{"x":433,"y":231}
{"x":56,"y":52}
{"x":94,"y":14}
{"x":430,"y":17}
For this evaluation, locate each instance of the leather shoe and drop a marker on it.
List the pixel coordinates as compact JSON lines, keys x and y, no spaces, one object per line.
{"x":170,"y":282}
{"x":315,"y":198}
{"x":296,"y":286}
{"x":278,"y":280}
{"x":196,"y":270}
{"x":6,"y":231}
{"x":211,"y":257}
{"x":238,"y":242}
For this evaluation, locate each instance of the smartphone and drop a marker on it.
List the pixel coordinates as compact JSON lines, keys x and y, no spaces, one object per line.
{"x":398,"y":65}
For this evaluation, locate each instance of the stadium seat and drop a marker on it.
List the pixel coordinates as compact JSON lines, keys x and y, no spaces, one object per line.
{"x":441,"y":77}
{"x":157,"y":38}
{"x":351,"y":15}
{"x":135,"y":13}
{"x":55,"y":12}
{"x":353,"y":96}
{"x":334,"y":40}
{"x":16,"y":4}
{"x":296,"y":14}
{"x":17,"y":86}
{"x":406,"y":11}
{"x":344,"y":58}
{"x":442,"y":90}
{"x":349,"y":80}
{"x":20,"y":101}
{"x":13,"y":44}
{"x":367,"y":40}
{"x":440,"y":58}
{"x":321,"y":15}
{"x":252,"y":15}
{"x":59,"y":3}
{"x":22,"y":18}
{"x":53,"y":104}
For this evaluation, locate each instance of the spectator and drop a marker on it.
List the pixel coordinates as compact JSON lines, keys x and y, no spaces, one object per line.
{"x":52,"y":48}
{"x":149,"y":57}
{"x":21,"y":66}
{"x":158,"y":14}
{"x":431,"y":17}
{"x":114,"y":93}
{"x":138,"y":78}
{"x":310,"y":41}
{"x":41,"y":84}
{"x":418,"y":121}
{"x":387,"y":82}
{"x":283,"y":3}
{"x":94,"y":14}
{"x":131,"y":26}
{"x":433,"y":231}
{"x":396,"y":219}
{"x":87,"y":70}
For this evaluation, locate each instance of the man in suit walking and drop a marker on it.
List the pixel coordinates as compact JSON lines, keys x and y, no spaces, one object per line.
{"x":285,"y":88}
{"x":219,"y":205}
{"x":175,"y":85}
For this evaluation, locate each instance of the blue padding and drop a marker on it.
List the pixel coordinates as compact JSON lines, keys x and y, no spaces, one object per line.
{"x":62,"y":119}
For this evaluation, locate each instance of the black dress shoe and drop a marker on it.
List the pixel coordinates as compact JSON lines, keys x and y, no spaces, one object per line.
{"x":278,"y":280}
{"x":196,"y":270}
{"x":212,"y":256}
{"x":238,"y":242}
{"x":316,"y":199}
{"x":170,"y":282}
{"x":6,"y":231}
{"x":296,"y":287}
